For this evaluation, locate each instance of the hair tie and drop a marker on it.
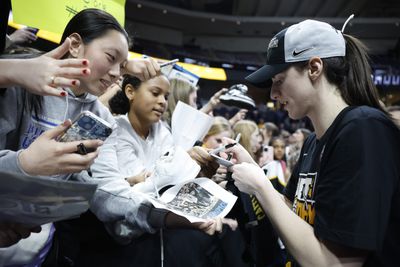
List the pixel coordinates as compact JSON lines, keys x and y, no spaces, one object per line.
{"x":346,"y":22}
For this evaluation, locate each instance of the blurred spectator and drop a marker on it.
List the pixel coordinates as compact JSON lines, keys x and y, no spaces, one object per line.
{"x":268,"y":131}
{"x":296,"y":141}
{"x":21,"y":37}
{"x":249,"y":136}
{"x":220,"y":128}
{"x":5,"y":7}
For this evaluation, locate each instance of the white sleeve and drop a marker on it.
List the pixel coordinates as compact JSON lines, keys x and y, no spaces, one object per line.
{"x":114,"y":199}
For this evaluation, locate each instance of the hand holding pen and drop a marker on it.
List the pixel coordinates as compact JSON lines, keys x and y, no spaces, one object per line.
{"x":225,"y":160}
{"x":226,"y":147}
{"x":238,"y":152}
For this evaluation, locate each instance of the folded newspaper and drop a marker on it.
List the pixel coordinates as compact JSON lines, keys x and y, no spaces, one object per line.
{"x":39,"y":200}
{"x":197,"y":200}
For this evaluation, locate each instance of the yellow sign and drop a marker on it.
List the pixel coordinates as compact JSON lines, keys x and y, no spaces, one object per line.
{"x":53,"y":15}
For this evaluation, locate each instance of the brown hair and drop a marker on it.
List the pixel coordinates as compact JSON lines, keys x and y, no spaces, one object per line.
{"x":220,"y":124}
{"x":352,"y":74}
{"x":246,"y":128}
{"x":180,"y":91}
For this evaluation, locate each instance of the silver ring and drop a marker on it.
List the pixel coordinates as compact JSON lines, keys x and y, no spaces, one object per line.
{"x":52,"y":78}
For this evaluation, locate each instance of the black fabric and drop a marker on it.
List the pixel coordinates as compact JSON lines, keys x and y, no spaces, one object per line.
{"x":276,"y":49}
{"x":266,"y":249}
{"x":240,"y":212}
{"x":157,"y":218}
{"x":85,"y":242}
{"x":275,"y":62}
{"x":260,"y":240}
{"x":76,"y":235}
{"x":181,"y":248}
{"x":347,"y":184}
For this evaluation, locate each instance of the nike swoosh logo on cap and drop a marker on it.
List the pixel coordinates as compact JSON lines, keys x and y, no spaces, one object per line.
{"x":296,"y":53}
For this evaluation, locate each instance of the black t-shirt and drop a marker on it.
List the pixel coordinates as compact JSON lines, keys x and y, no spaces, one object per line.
{"x":347,"y":184}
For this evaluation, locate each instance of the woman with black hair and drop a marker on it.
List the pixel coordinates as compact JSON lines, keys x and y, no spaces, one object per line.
{"x":29,"y":131}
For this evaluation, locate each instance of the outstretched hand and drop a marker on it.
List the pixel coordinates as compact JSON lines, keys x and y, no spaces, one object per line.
{"x":214,"y":101}
{"x":45,"y":75}
{"x":240,"y":115}
{"x":46,"y":156}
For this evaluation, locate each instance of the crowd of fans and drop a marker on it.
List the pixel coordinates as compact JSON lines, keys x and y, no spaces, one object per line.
{"x":271,"y":152}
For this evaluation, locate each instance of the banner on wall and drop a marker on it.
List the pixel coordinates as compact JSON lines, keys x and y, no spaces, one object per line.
{"x":53,"y":16}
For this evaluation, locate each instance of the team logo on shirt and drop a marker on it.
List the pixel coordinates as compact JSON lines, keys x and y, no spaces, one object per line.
{"x":36,"y":127}
{"x":304,"y":203}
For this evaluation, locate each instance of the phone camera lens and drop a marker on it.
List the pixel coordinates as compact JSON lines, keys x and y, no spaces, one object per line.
{"x":87,"y":123}
{"x":108,"y":131}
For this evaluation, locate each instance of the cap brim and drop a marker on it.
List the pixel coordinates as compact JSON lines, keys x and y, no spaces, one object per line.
{"x":262,"y":77}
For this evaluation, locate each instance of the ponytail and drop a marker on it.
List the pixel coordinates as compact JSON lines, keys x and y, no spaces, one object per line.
{"x":119,"y":103}
{"x":353,"y":76}
{"x":360,"y":87}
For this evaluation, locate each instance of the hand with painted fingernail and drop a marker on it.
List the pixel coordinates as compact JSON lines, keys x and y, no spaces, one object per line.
{"x":46,"y":74}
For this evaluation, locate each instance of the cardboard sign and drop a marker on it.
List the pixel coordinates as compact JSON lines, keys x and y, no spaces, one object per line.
{"x":53,"y":16}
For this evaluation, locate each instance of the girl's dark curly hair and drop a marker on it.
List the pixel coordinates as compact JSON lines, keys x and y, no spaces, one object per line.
{"x":119,"y":103}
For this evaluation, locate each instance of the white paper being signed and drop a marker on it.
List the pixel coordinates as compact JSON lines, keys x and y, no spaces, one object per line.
{"x":189,"y":125}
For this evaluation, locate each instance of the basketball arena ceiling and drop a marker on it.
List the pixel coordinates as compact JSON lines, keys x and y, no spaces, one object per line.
{"x":376,"y":22}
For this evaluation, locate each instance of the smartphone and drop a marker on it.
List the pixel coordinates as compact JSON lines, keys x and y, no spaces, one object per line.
{"x":221,"y":161}
{"x":267,"y":155}
{"x":87,"y":126}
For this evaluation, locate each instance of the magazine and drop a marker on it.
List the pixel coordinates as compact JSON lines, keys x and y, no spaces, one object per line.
{"x":39,"y":200}
{"x":197,"y":200}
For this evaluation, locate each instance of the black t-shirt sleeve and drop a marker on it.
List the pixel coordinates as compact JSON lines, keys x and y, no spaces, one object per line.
{"x":356,"y":183}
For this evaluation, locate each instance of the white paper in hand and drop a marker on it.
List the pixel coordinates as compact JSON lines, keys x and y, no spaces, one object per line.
{"x":175,"y":167}
{"x":197,"y":200}
{"x":189,"y":125}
